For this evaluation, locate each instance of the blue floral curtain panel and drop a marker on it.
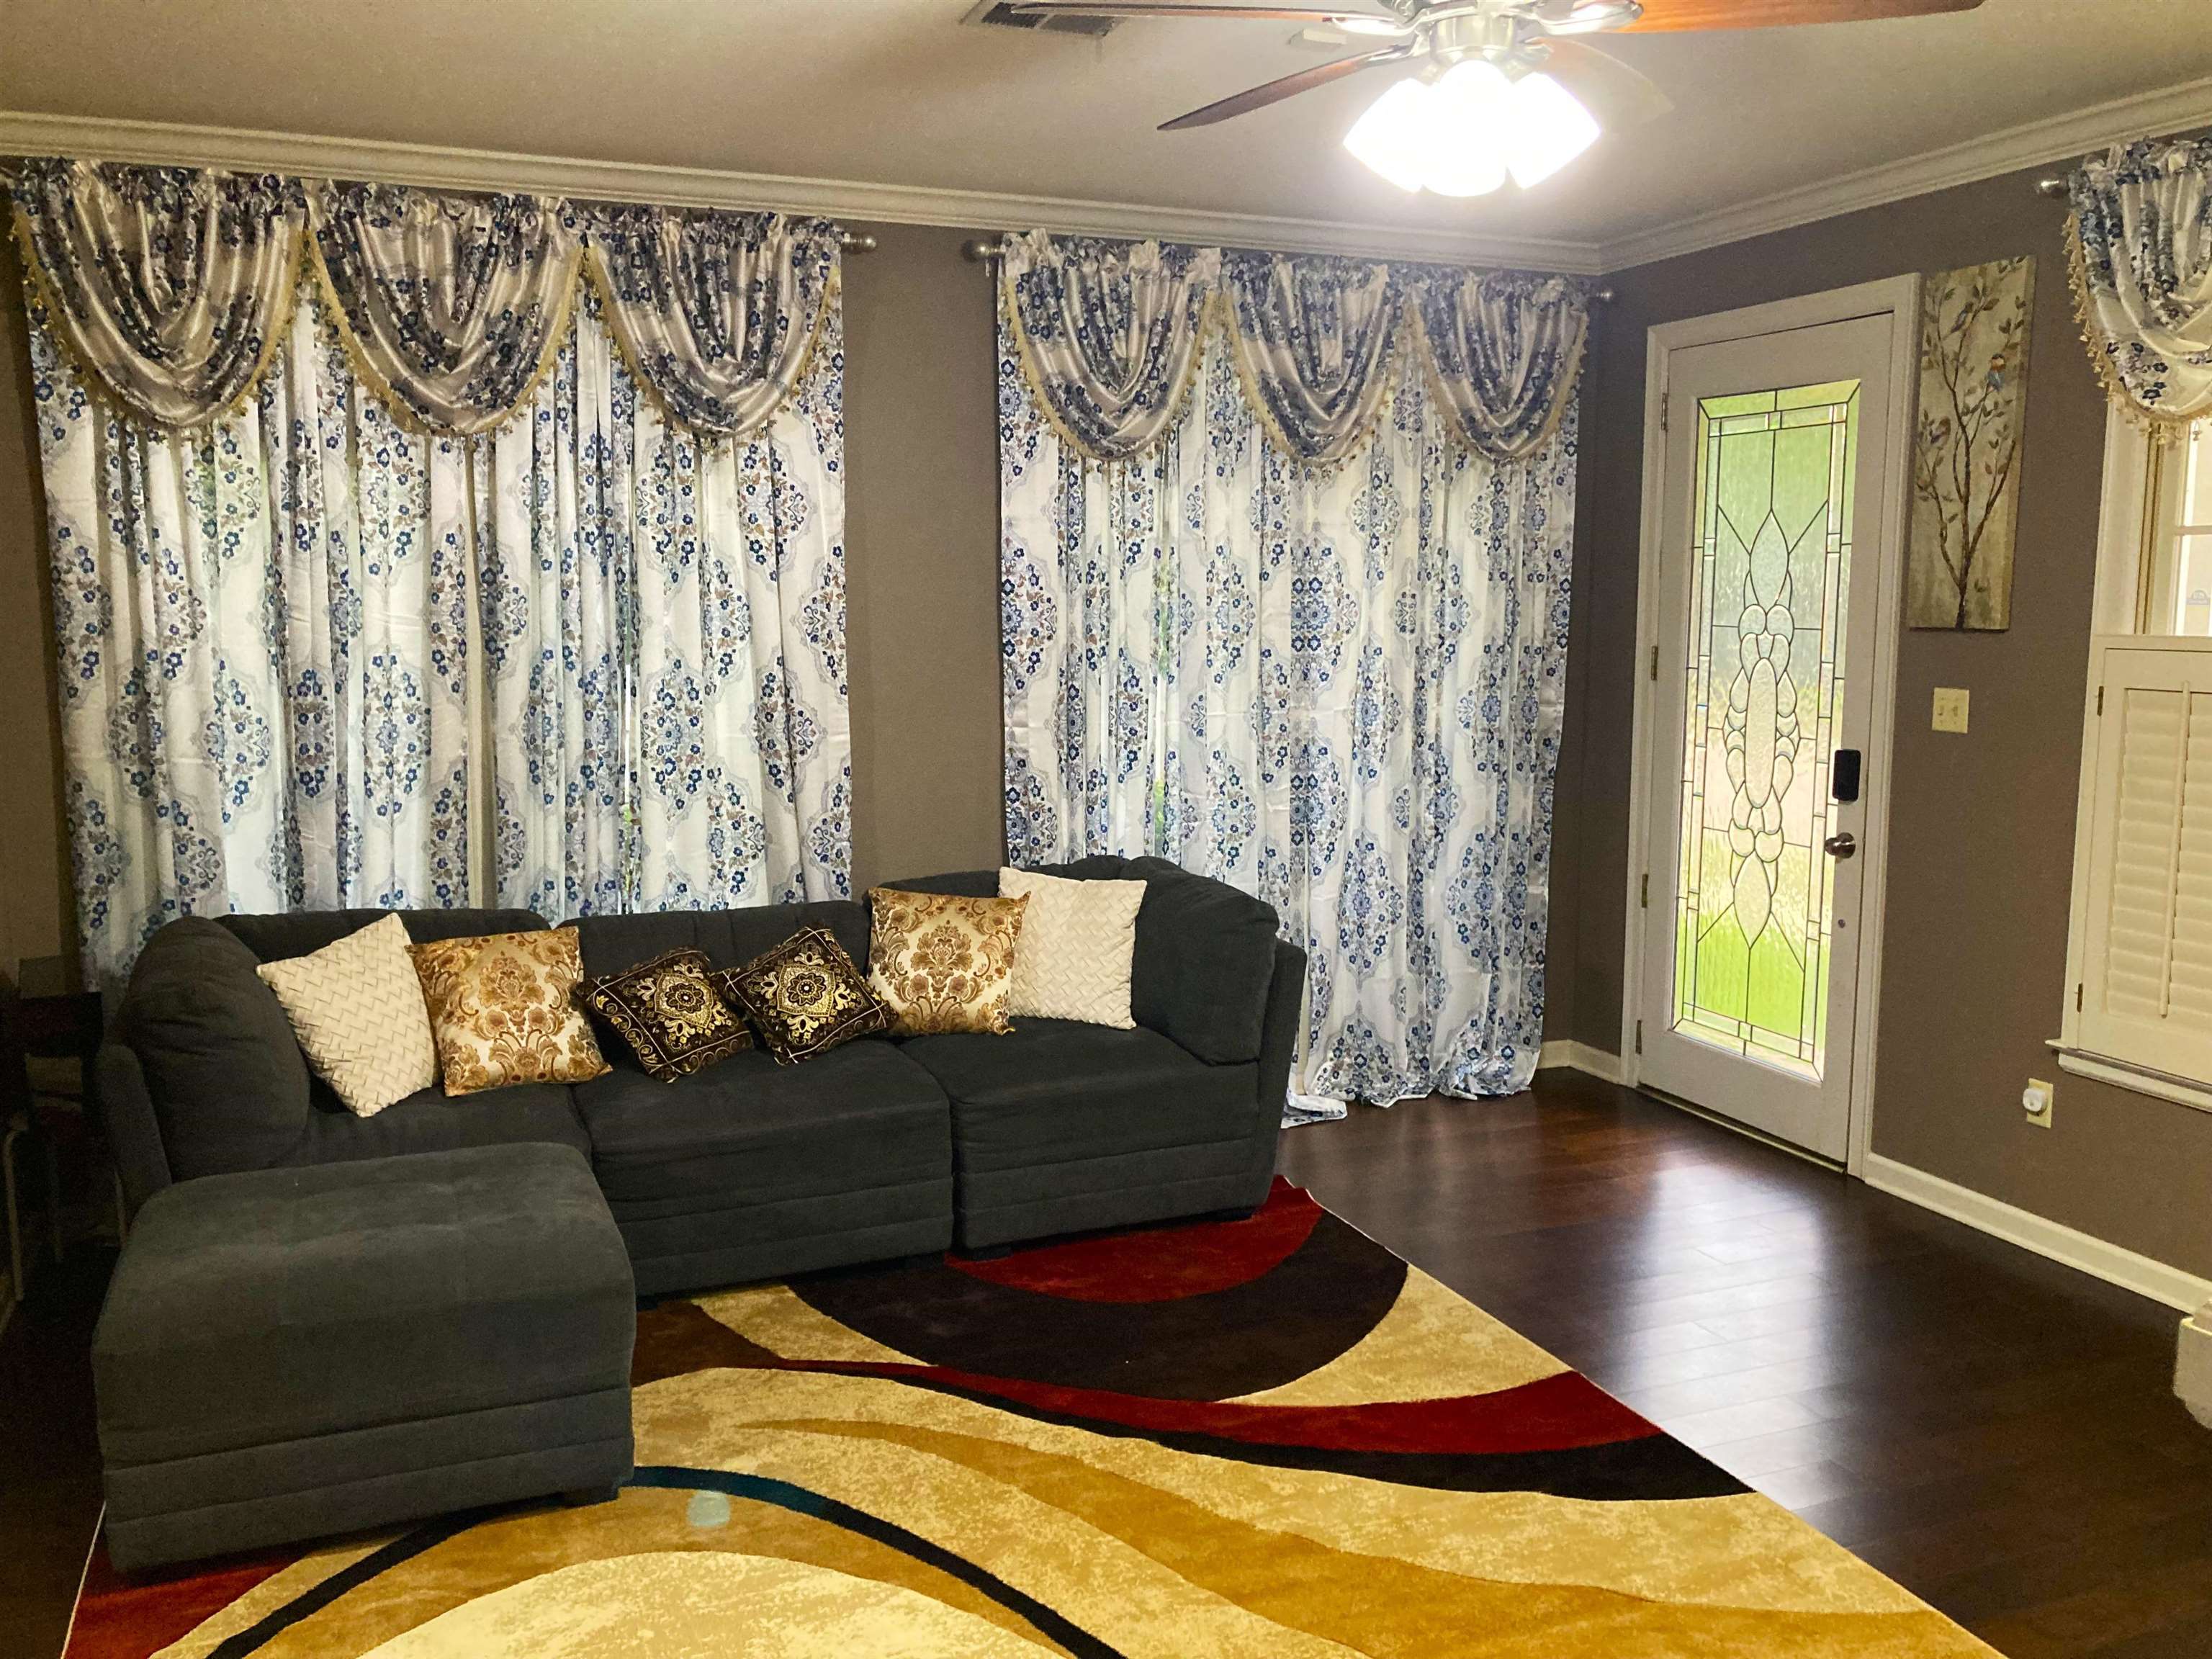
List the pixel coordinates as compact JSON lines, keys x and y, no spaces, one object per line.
{"x":344,"y":630}
{"x":2141,"y":235}
{"x":1336,"y":684}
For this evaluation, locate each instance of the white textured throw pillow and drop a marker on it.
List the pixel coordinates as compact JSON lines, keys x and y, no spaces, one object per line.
{"x":357,"y":1008}
{"x":1072,"y":957}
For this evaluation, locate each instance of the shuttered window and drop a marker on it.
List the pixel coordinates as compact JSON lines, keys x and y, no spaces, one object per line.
{"x":2146,"y":964}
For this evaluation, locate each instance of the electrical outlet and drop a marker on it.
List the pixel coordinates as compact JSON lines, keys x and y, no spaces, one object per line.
{"x":2036,"y":1101}
{"x":1950,"y":712}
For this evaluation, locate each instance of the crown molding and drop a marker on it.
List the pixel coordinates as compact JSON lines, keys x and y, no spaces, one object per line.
{"x":28,"y":133}
{"x":2169,"y":109}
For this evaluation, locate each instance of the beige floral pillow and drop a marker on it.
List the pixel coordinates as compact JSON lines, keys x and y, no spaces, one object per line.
{"x":500,"y":1008}
{"x":941,"y":963}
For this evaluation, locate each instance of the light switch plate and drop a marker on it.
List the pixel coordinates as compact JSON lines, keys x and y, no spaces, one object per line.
{"x":1950,"y":713}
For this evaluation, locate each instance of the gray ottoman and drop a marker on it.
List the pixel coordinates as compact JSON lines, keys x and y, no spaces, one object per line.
{"x":292,"y":1353}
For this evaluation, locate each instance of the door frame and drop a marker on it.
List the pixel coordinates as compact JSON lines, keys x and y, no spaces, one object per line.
{"x":1898,"y":297}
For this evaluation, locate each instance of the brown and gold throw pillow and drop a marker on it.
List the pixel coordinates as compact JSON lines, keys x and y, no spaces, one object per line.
{"x":806,"y":996}
{"x":669,"y":1011}
{"x":500,"y":1008}
{"x":942,"y":963}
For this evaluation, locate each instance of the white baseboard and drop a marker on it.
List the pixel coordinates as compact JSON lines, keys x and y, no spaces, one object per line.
{"x":2110,"y":1262}
{"x":1582,"y":1058}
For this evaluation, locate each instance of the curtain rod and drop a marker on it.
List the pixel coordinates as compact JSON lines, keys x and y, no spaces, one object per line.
{"x":986,"y":248}
{"x":2051,"y":187}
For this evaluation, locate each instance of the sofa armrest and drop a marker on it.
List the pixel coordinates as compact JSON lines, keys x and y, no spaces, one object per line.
{"x":126,"y":1111}
{"x":1278,"y":1035}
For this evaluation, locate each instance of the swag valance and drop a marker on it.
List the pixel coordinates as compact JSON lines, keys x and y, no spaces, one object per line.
{"x":1110,"y":334}
{"x":2141,"y":235}
{"x":171,"y":287}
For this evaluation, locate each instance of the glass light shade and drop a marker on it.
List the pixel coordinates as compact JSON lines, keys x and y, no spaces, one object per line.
{"x":1393,"y":137}
{"x":1465,"y":148}
{"x":1545,"y":127}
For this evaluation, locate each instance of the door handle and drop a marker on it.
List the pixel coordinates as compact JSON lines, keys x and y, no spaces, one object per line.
{"x":1841,"y":845}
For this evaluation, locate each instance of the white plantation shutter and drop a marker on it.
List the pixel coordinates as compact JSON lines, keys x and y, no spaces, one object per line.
{"x":2146,"y":979}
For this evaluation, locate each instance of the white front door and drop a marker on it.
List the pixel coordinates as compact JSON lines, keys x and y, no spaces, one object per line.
{"x":1775,"y":463}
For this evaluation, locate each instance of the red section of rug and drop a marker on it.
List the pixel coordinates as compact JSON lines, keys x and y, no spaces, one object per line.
{"x":1555,"y":1413}
{"x":118,"y":1619}
{"x":1165,"y":1264}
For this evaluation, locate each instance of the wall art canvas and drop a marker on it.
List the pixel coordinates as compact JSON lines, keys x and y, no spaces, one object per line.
{"x":1966,"y":452}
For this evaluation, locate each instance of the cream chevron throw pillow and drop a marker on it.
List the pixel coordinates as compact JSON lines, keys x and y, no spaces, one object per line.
{"x":1073,"y":955}
{"x":356,"y":1007}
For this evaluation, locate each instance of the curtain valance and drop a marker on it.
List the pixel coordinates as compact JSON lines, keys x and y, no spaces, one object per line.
{"x":1109,"y":338}
{"x":453,"y":305}
{"x":1108,"y":333}
{"x":718,"y":313}
{"x":171,"y":286}
{"x":2141,"y":234}
{"x":1504,"y":347}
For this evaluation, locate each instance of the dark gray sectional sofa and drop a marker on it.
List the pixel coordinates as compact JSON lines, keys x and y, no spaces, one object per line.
{"x":750,"y":1171}
{"x":325,"y":1324}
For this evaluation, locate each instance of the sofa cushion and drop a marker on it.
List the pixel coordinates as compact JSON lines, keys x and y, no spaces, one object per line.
{"x":431,"y":1121}
{"x":1059,"y":1091}
{"x":730,"y":938}
{"x":273,"y":938}
{"x":749,"y":1130}
{"x":254,"y":1308}
{"x":226,"y":1076}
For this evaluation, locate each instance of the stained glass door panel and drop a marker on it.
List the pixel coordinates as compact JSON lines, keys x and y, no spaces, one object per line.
{"x":1769,"y":565}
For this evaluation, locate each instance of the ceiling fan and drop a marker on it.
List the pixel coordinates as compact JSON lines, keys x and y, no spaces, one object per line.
{"x":1500,"y":87}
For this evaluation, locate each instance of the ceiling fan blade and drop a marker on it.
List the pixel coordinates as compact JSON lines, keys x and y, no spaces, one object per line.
{"x":1201,"y":8}
{"x":1617,"y":95}
{"x":1676,"y":14}
{"x":1273,"y":92}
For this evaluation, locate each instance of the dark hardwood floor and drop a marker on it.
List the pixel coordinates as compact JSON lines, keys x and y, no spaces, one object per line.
{"x":1995,"y":1432}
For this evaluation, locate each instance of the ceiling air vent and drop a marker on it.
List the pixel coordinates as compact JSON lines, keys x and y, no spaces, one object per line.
{"x":997,"y":15}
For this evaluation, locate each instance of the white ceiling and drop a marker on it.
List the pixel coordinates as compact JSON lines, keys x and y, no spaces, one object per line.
{"x":895,"y":92}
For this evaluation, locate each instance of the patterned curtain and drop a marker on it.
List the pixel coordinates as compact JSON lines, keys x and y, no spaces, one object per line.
{"x":664,"y":635}
{"x":263,"y":650}
{"x":2141,"y":234}
{"x":1339,"y":687}
{"x":318,"y":650}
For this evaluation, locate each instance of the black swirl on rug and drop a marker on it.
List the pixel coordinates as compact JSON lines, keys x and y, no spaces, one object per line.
{"x":1309,"y":1308}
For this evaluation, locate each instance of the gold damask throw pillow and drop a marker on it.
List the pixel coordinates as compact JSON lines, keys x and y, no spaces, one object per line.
{"x":500,"y":1005}
{"x":942,"y":963}
{"x":671,"y":1012}
{"x":806,"y":996}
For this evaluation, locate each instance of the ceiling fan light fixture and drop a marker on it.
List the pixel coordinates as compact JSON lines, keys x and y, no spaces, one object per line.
{"x":1393,"y":137}
{"x":1463,"y":133}
{"x":1467,"y":140}
{"x":1546,"y":127}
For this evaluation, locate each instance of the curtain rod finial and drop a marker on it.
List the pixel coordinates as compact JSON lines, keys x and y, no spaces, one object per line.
{"x":983,"y":247}
{"x":2051,"y":187}
{"x":856,"y":242}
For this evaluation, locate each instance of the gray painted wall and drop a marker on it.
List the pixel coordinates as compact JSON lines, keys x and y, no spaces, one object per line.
{"x":1982,"y":826}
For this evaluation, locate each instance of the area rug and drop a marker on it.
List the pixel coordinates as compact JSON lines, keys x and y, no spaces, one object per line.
{"x":1264,"y":1439}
